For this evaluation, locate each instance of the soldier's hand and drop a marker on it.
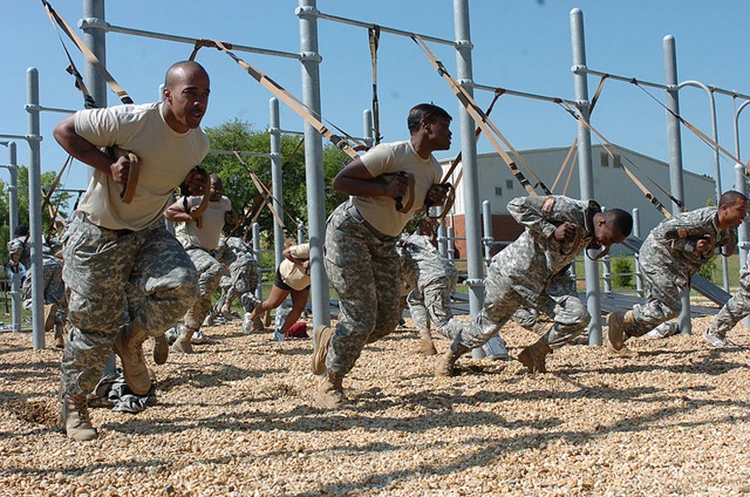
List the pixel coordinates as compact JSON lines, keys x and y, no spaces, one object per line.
{"x":566,"y":232}
{"x":196,"y":181}
{"x":702,"y":246}
{"x":397,"y":186}
{"x":436,"y":195}
{"x":120,"y":170}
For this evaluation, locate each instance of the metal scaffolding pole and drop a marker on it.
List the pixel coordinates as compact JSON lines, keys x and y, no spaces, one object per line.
{"x":740,"y":184}
{"x":277,"y":177}
{"x":15,"y":283}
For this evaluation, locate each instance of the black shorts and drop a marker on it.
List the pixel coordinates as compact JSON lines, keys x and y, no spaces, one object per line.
{"x":279,"y":282}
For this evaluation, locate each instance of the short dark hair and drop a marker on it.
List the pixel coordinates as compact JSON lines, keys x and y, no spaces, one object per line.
{"x":731,"y":197}
{"x":620,"y":219}
{"x":425,"y":112}
{"x":21,"y":230}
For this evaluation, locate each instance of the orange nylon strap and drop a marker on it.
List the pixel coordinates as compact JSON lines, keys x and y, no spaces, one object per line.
{"x":475,"y":112}
{"x":197,"y":213}
{"x":93,"y":60}
{"x":290,"y":100}
{"x":128,"y":191}
{"x":565,"y":163}
{"x":374,"y":36}
{"x":570,"y":172}
{"x":262,"y":189}
{"x":55,"y":182}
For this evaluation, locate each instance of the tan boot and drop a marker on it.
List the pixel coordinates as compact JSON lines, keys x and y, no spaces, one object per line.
{"x":59,"y":339}
{"x":182,"y":344}
{"x":129,"y":346}
{"x":75,"y":418}
{"x":321,"y":341}
{"x":330,"y":394}
{"x":444,"y":364}
{"x":161,"y":349}
{"x":50,"y":310}
{"x":617,"y":325}
{"x":425,"y":345}
{"x":533,"y":356}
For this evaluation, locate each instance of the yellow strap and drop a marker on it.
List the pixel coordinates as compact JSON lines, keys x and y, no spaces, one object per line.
{"x":374,"y":36}
{"x":128,"y":191}
{"x":262,"y":189}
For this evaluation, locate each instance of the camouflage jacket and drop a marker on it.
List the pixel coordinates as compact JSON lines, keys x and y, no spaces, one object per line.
{"x":532,"y":261}
{"x":421,"y":262}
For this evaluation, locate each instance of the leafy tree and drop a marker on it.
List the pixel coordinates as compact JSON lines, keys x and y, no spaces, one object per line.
{"x":622,"y":270}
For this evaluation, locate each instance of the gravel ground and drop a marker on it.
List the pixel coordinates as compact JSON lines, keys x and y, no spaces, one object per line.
{"x":236,"y":418}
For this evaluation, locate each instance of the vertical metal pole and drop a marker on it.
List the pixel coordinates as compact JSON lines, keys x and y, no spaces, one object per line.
{"x":300,"y":234}
{"x":35,"y":207}
{"x":450,"y":240}
{"x":585,"y":173}
{"x":674,"y":138}
{"x":367,"y":128}
{"x":316,"y":210}
{"x":96,"y":40}
{"x":487,"y":226}
{"x":277,"y":177}
{"x":607,"y":274}
{"x":256,"y":251}
{"x":15,"y":285}
{"x":472,"y":222}
{"x":740,"y":184}
{"x":637,"y":234}
{"x":442,"y":233}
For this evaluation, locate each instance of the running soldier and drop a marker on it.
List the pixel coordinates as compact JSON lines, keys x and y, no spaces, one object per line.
{"x":387,"y":185}
{"x":127,"y":277}
{"x":736,"y":309}
{"x":19,"y":253}
{"x":200,"y":237}
{"x":533,"y":271}
{"x":671,"y":254}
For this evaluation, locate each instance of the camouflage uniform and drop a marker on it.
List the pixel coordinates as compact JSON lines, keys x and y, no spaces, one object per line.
{"x":735,"y":309}
{"x":433,"y":278}
{"x":210,"y":272}
{"x":533,"y":271}
{"x":244,"y":274}
{"x":101,"y":267}
{"x":54,"y":288}
{"x":668,"y":261}
{"x":364,"y":269}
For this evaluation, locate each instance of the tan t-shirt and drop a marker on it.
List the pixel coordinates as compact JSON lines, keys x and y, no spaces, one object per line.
{"x":208,"y":235}
{"x":166,"y":158}
{"x":293,"y":275}
{"x":389,"y":158}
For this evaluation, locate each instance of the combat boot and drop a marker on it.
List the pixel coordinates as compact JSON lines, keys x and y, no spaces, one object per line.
{"x":59,"y":339}
{"x":617,"y":326}
{"x":50,"y":310}
{"x":444,"y":364}
{"x":161,"y":349}
{"x":183,"y":344}
{"x":129,"y":346}
{"x":534,"y":355}
{"x":321,"y":341}
{"x":75,"y":418}
{"x":425,"y":345}
{"x":330,"y":394}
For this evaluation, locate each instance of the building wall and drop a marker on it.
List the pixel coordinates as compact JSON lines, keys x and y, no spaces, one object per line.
{"x":612,"y":186}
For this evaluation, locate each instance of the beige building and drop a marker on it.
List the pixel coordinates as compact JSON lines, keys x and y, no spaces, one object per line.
{"x":612,"y":186}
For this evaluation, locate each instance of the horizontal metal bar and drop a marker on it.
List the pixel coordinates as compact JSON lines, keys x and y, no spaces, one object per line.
{"x":247,"y":154}
{"x":41,"y":108}
{"x":586,"y":70}
{"x":290,"y":132}
{"x":96,"y":23}
{"x":383,"y":29}
{"x":523,"y":94}
{"x":28,"y":138}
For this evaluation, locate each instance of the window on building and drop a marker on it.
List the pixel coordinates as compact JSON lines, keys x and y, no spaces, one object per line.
{"x":604,"y":157}
{"x":498,"y":191}
{"x":618,"y":161}
{"x":509,"y":184}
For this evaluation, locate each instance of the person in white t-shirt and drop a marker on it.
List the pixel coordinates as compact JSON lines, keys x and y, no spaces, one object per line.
{"x":127,"y":276}
{"x":200,"y":237}
{"x":387,"y":185}
{"x":292,"y":277}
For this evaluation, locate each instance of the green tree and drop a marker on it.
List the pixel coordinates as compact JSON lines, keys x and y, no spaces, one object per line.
{"x":622,"y":270}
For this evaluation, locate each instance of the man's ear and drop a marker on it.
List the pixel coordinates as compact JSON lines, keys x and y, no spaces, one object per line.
{"x":167,"y":94}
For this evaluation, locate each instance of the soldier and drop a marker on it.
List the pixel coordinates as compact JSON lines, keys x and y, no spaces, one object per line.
{"x":736,"y":309}
{"x":200,"y":243}
{"x":112,"y":248}
{"x":19,"y":253}
{"x":533,"y":272}
{"x":671,"y":254}
{"x":387,"y":185}
{"x":244,"y":274}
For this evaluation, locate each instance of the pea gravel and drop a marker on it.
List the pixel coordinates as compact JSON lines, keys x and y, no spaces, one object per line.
{"x":236,"y":418}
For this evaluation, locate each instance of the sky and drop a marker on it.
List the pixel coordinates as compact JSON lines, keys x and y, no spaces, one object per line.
{"x":522,"y":45}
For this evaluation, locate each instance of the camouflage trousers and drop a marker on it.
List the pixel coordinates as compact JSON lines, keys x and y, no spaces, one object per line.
{"x":54,"y":288}
{"x":736,"y":308}
{"x":662,"y":304}
{"x":242,"y":282}
{"x":366,"y":272}
{"x":115,"y":278}
{"x":559,"y":301}
{"x":433,"y":305}
{"x":210,"y":272}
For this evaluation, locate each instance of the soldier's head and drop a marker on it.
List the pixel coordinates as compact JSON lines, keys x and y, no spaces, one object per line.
{"x":432,"y":123}
{"x":732,"y":209}
{"x":610,"y":227}
{"x":186,"y":90}
{"x":21,"y":231}
{"x":217,"y":188}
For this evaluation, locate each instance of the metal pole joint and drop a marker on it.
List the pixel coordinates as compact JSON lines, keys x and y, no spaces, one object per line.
{"x":474,"y":282}
{"x":93,"y":23}
{"x":464,"y":44}
{"x":310,"y":57}
{"x":306,"y":10}
{"x":579,"y":69}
